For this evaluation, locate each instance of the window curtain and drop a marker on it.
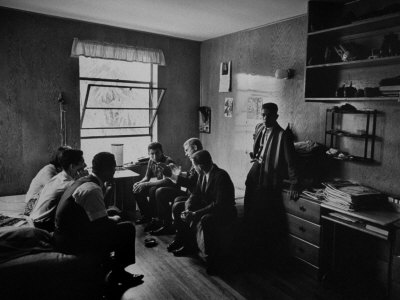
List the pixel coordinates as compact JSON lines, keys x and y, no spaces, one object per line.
{"x":118,"y":52}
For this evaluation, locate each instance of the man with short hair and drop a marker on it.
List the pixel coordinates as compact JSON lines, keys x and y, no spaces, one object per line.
{"x":273,"y":160}
{"x":165,"y":196}
{"x":43,"y":213}
{"x":147,"y":188}
{"x":83,"y":226}
{"x":212,"y":204}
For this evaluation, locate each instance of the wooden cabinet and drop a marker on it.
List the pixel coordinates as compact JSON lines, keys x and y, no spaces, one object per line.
{"x":303,"y":217}
{"x":353,"y":44}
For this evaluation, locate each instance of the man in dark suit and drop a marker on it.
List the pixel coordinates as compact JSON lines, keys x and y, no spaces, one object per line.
{"x":212,"y":204}
{"x":273,"y":160}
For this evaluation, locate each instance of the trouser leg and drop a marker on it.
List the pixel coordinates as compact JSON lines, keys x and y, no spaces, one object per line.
{"x":182,"y":228}
{"x":164,"y":198}
{"x":143,"y":204}
{"x":209,"y":226}
{"x":152,"y":202}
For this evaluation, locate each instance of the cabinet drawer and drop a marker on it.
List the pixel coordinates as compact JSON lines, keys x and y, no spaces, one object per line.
{"x":304,"y":250}
{"x":302,"y":208}
{"x":304,"y":229}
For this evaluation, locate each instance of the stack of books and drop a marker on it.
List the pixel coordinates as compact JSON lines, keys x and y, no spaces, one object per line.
{"x":390,"y":90}
{"x":350,"y":196}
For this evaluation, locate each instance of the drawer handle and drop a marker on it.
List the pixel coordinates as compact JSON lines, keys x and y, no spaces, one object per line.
{"x":302,"y":229}
{"x":302,"y":208}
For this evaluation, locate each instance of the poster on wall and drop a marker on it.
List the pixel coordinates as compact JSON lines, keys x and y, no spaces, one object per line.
{"x":254,"y":107}
{"x":225,"y":72}
{"x":205,"y":119}
{"x":228,"y":107}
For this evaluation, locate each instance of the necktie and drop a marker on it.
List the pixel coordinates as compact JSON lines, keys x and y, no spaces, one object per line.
{"x":262,"y":142}
{"x":204,"y":184}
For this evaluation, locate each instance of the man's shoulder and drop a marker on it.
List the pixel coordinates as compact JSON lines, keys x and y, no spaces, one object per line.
{"x":168,"y":160}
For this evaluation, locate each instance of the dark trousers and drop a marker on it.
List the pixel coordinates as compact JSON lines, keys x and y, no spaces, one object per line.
{"x":184,"y":231}
{"x":148,"y":208}
{"x":117,"y":237}
{"x":165,"y":197}
{"x":264,"y":215}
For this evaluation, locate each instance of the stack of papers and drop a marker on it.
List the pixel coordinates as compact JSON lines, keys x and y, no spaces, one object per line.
{"x":351,"y":196}
{"x":314,"y":194}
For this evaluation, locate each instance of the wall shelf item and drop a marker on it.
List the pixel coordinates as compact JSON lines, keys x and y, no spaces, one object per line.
{"x":205,"y":119}
{"x":355,"y":43}
{"x":333,"y":132}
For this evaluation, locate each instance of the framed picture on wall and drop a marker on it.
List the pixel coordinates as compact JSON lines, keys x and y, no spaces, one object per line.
{"x":205,"y":119}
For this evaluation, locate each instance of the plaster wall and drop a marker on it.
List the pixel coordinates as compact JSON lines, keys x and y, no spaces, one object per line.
{"x":35,"y":65}
{"x":255,"y":55}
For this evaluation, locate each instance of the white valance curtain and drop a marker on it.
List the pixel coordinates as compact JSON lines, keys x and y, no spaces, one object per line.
{"x":118,"y":52}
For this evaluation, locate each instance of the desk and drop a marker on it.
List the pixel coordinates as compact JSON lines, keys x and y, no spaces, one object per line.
{"x":381,"y":225}
{"x":124,"y":180}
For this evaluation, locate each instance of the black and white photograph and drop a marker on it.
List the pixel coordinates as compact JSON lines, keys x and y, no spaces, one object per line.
{"x":190,"y":150}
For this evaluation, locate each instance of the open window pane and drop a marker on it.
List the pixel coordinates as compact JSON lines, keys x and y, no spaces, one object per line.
{"x":115,"y":118}
{"x":112,"y":132}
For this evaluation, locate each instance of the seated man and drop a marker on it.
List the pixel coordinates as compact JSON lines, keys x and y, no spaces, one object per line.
{"x":42,"y":178}
{"x":83,"y":226}
{"x":212,"y":204}
{"x":43,"y":213}
{"x":165,"y":196}
{"x":146,"y":188}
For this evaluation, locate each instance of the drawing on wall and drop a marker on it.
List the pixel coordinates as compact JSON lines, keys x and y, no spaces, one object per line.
{"x":205,"y":119}
{"x":228,"y":107}
{"x":225,"y":73}
{"x":254,"y":106}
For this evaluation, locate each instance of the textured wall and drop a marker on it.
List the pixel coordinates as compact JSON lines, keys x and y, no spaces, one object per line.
{"x":255,"y":55}
{"x":35,"y":65}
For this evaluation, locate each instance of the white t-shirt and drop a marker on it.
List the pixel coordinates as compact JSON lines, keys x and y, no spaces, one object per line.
{"x":90,"y":196}
{"x":46,"y":205}
{"x":39,"y":181}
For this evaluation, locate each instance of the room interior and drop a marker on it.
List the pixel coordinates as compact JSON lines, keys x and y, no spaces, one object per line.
{"x":258,"y":38}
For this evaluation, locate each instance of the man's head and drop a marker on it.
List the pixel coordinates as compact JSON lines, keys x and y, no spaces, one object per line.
{"x":72,"y":162}
{"x":202,"y":161}
{"x":191,"y":146}
{"x":57,"y":157}
{"x":269,"y":114}
{"x":103,"y":165}
{"x":155,"y":151}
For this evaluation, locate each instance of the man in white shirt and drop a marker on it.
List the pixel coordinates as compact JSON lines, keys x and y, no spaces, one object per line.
{"x":84,"y":227}
{"x":43,"y":213}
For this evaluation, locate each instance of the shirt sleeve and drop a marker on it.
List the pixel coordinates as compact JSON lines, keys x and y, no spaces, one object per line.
{"x":90,"y":197}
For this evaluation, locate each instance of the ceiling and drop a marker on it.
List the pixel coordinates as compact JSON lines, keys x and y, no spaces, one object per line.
{"x":189,"y":19}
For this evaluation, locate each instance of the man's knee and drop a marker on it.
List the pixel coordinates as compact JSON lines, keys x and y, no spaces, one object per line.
{"x":178,"y":207}
{"x":180,"y":199}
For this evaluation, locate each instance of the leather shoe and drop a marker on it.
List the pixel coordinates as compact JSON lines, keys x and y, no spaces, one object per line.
{"x":174,"y":245}
{"x":183,"y":251}
{"x":123,"y":278}
{"x":164,"y":230}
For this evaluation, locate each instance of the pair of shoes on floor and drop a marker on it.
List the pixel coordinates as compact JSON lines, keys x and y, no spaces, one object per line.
{"x":123,"y":279}
{"x":176,"y":244}
{"x":163,"y":230}
{"x":142,"y":220}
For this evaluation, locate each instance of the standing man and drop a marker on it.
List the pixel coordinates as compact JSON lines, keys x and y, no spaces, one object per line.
{"x":273,"y":160}
{"x":83,"y":226}
{"x":165,"y":196}
{"x":146,"y":188}
{"x":211,"y":205}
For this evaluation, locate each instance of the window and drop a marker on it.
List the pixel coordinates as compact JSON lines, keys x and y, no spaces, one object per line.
{"x":118,"y":102}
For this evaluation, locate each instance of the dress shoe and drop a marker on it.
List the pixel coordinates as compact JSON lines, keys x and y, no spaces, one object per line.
{"x":174,"y":245}
{"x":183,"y":251}
{"x":123,"y":278}
{"x":142,"y":220}
{"x":163,"y":230}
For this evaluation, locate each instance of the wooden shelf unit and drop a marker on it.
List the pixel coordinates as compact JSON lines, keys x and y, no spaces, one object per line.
{"x":326,"y":71}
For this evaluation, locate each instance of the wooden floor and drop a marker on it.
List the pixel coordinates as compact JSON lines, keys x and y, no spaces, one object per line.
{"x":169,"y":277}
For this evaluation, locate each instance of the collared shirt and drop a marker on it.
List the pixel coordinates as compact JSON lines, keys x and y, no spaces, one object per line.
{"x":263,"y":143}
{"x":39,"y":181}
{"x":49,"y":197}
